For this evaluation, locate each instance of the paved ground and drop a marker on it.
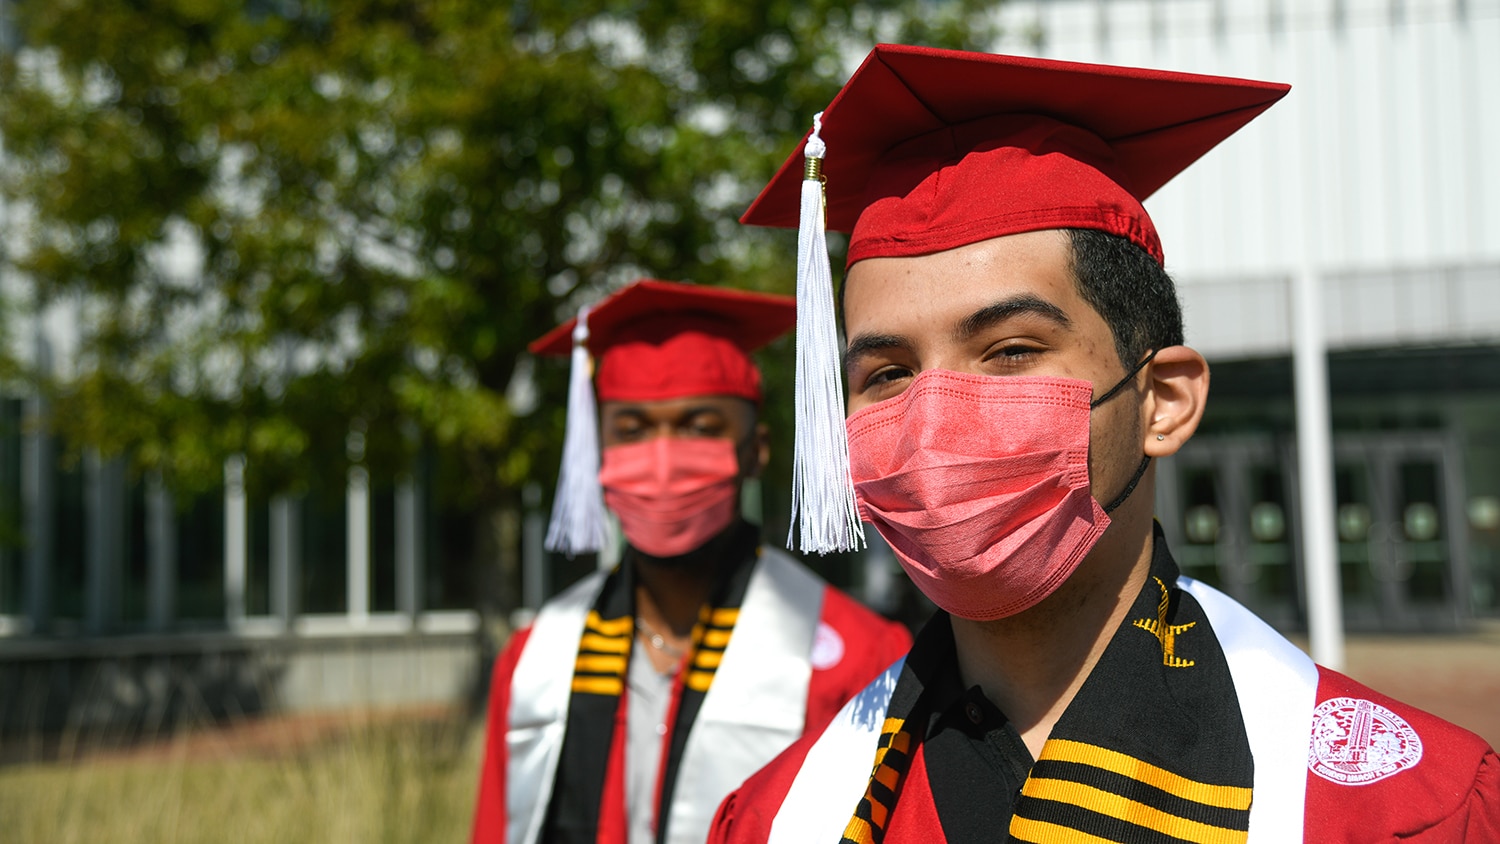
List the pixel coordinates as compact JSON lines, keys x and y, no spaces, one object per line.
{"x":1456,"y":677}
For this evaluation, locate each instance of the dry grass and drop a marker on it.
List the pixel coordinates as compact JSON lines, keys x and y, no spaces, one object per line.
{"x":368,"y":781}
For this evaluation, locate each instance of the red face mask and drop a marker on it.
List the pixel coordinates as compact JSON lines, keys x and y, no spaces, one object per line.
{"x":981,"y":486}
{"x":671,"y":494}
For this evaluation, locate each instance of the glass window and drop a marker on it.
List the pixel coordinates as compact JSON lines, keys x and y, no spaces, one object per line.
{"x":200,"y":558}
{"x":137,"y":563}
{"x":258,"y":556}
{"x":1421,"y":525}
{"x":382,"y":547}
{"x":69,"y":524}
{"x":1202,"y":523}
{"x":450,"y":523}
{"x":1355,"y":517}
{"x":325,"y":550}
{"x":12,"y":529}
{"x":1270,"y":549}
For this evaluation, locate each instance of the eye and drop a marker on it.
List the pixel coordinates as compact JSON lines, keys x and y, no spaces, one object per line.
{"x":625,"y":428}
{"x":884,"y":377}
{"x":705,"y":425}
{"x":1013,"y":352}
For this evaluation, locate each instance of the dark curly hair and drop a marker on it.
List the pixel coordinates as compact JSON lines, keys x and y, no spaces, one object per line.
{"x":1127,"y":287}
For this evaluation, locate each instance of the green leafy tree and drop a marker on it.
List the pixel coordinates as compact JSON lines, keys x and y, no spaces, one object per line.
{"x":280,"y":222}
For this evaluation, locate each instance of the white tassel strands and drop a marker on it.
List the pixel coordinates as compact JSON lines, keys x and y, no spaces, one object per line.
{"x":823,"y":504}
{"x":578,"y":520}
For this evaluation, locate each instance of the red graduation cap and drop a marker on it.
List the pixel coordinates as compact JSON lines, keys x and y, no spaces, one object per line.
{"x":652,"y":340}
{"x":658,"y":340}
{"x":927,"y":150}
{"x":933,"y":149}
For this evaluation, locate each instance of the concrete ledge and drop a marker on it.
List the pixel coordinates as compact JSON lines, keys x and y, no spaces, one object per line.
{"x":149,"y":683}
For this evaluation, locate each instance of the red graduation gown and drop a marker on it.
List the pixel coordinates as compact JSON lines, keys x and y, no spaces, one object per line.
{"x":1450,"y":795}
{"x":871,"y":643}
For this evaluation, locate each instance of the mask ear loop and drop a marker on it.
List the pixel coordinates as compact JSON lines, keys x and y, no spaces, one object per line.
{"x":1130,"y":487}
{"x":1120,"y":385}
{"x":1140,"y":470}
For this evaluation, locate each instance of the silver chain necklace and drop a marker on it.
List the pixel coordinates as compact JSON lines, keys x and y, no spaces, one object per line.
{"x":656,"y":640}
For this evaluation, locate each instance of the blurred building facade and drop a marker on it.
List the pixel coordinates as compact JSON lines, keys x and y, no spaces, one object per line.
{"x":123,"y":605}
{"x":1373,"y":180}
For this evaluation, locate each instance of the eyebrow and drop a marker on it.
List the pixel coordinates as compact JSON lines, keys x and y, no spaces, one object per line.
{"x":869,"y":344}
{"x":1005,"y":309}
{"x":686,"y":413}
{"x":1026,"y":303}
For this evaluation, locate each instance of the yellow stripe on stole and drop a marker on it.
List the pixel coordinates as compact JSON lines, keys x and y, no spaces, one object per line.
{"x":699,"y":681}
{"x":600,"y":664}
{"x":1130,"y":811}
{"x":724,"y":617}
{"x":708,"y":660}
{"x":716,"y":638}
{"x":858,"y":831}
{"x":604,"y":644}
{"x":898,"y":742}
{"x":1027,"y":829}
{"x":609,"y":626}
{"x":599,"y":685}
{"x":1221,"y":796}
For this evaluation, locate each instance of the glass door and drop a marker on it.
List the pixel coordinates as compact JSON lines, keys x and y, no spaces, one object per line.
{"x":1230,"y":507}
{"x":1401,"y":547}
{"x":1225,"y":506}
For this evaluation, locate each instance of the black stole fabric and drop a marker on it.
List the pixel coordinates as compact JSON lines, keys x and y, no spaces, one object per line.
{"x":1151,"y":749}
{"x":603,"y":662}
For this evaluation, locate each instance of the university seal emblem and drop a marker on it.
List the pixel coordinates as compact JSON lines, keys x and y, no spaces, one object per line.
{"x":828,"y":648}
{"x":1357,"y":742}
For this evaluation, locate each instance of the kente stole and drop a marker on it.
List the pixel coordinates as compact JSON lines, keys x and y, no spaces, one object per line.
{"x":598,"y":696}
{"x":1151,"y":749}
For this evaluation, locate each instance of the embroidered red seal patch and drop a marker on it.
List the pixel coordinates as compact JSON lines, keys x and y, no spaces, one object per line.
{"x":1357,"y":742}
{"x":828,"y":648}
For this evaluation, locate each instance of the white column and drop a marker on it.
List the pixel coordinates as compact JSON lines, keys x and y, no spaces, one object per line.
{"x":1325,"y":613}
{"x":236,"y":533}
{"x":358,"y":522}
{"x":95,"y":545}
{"x":103,"y":541}
{"x":283,"y":530}
{"x":38,"y":488}
{"x":95,"y":574}
{"x":1318,"y":208}
{"x":408,"y":548}
{"x":161,"y":550}
{"x":533,"y":556}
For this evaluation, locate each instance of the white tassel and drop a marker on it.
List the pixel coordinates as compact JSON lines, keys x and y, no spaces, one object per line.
{"x":822,"y":486}
{"x":578,"y":520}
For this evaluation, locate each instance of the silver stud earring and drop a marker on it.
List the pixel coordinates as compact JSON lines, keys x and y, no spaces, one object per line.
{"x":1160,"y":437}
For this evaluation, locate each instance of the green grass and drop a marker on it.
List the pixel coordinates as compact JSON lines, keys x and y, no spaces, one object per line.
{"x":389,"y":782}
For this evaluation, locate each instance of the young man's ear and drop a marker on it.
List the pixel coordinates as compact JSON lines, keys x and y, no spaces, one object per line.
{"x":762,"y":449}
{"x":1176,"y":392}
{"x":754,"y":449}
